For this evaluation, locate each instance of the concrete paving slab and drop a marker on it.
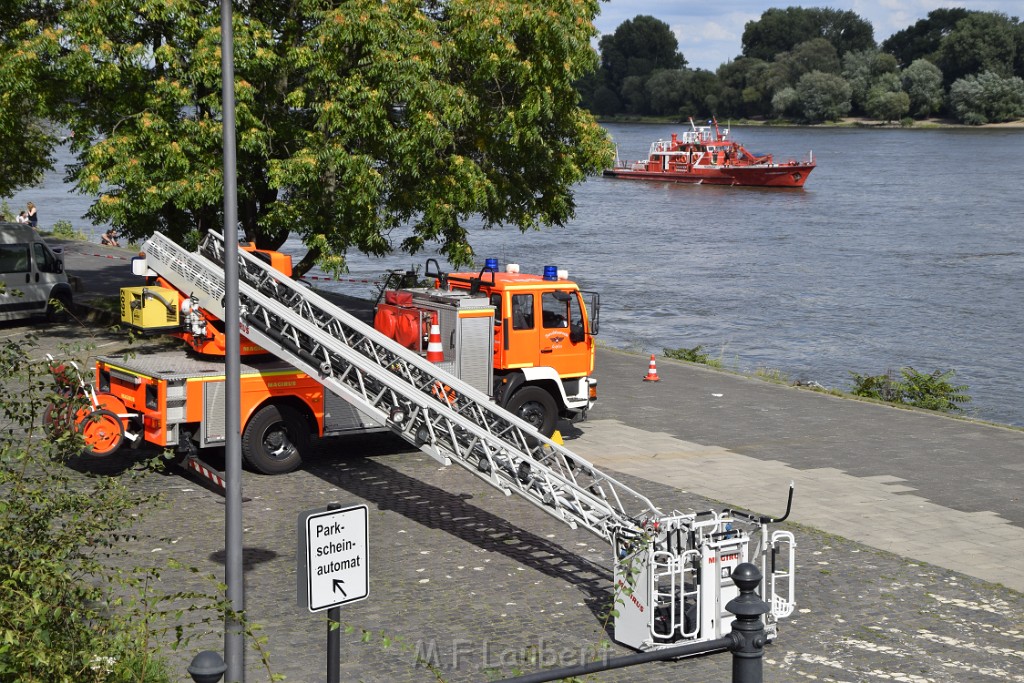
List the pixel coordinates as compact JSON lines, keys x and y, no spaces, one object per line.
{"x":873,"y":510}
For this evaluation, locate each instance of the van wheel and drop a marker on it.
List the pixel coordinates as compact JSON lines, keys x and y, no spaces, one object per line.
{"x":537,"y":407}
{"x":273,"y":441}
{"x":58,"y":308}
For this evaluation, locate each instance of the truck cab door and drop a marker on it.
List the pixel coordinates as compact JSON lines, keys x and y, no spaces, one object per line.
{"x":564,"y":343}
{"x":519,"y":342}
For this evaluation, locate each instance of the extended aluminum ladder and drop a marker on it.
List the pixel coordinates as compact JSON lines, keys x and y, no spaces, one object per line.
{"x":427,"y":406}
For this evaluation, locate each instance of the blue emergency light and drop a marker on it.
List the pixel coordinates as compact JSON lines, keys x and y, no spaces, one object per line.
{"x":491,"y":265}
{"x":550,"y":272}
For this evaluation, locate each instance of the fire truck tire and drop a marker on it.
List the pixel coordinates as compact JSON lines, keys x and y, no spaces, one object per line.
{"x":103,"y":433}
{"x":274,"y":438}
{"x":57,"y":419}
{"x":536,"y":406}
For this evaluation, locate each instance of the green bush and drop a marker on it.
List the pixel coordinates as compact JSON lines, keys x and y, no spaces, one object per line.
{"x":65,"y":230}
{"x":694,"y":355}
{"x":72,"y":607}
{"x":932,"y":391}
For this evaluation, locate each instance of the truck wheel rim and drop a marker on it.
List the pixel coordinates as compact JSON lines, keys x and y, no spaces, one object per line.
{"x":102,"y":433}
{"x":532,"y":412}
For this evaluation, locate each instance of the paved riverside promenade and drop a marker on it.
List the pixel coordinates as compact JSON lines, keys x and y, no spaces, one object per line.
{"x":909,"y":527}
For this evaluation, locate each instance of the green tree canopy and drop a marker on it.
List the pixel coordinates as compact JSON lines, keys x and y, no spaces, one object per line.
{"x":816,"y":54}
{"x":922,"y":81}
{"x":745,"y":87}
{"x":981,"y":41}
{"x":780,"y":30}
{"x":862,"y":69}
{"x":823,"y":97}
{"x":886,"y":100}
{"x":665,"y":90}
{"x":922,"y":40}
{"x":638,"y":47}
{"x":987,"y":97}
{"x":354,"y":118}
{"x":27,"y":143}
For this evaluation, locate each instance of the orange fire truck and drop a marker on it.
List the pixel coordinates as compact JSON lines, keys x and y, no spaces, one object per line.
{"x":543,"y":335}
{"x":507,"y":338}
{"x":525,"y":340}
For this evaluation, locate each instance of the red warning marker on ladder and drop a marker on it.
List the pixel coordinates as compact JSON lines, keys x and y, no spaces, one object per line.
{"x":652,"y":371}
{"x":435,"y":352}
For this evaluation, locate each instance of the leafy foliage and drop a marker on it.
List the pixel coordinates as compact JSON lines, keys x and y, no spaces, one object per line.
{"x":73,"y":609}
{"x":922,"y":81}
{"x":981,"y":41}
{"x":823,"y":97}
{"x":354,"y":119}
{"x":786,"y":45}
{"x":780,"y":30}
{"x":931,"y":391}
{"x":987,"y":97}
{"x":694,"y":355}
{"x":886,"y":100}
{"x":65,"y":230}
{"x":922,"y":39}
{"x":27,"y":141}
{"x":638,"y":47}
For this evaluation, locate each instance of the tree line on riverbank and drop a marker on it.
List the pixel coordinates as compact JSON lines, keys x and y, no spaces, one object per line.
{"x":812,"y":65}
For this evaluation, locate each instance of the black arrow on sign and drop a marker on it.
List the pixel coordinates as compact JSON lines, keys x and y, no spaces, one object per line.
{"x":337,"y":587}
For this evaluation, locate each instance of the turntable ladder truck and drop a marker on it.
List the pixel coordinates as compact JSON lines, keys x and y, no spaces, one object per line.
{"x":672,"y":571}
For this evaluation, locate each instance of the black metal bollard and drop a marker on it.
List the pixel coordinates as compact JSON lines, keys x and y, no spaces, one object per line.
{"x":747,"y":629}
{"x":207,"y":667}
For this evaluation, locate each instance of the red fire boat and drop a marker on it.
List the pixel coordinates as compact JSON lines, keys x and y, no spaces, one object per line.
{"x":706,"y":155}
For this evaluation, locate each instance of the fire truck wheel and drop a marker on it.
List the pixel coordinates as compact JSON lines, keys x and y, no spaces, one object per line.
{"x":537,"y":407}
{"x":57,"y":419}
{"x":102,"y":432}
{"x":274,"y":439}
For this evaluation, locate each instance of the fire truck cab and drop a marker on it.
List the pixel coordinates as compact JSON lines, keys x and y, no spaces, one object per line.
{"x":539,"y":340}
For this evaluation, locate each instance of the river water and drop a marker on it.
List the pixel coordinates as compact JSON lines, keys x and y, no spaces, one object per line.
{"x":905,"y":248}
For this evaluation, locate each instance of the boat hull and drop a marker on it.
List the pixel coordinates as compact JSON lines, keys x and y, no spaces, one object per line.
{"x":762,"y":175}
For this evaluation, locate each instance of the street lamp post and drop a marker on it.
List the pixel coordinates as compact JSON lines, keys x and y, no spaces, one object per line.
{"x":234,"y":654}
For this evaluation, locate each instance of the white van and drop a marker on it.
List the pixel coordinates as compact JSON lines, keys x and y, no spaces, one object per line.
{"x":32,"y":276}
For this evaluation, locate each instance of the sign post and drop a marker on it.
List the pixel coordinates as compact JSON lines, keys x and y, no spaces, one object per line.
{"x":332,"y":558}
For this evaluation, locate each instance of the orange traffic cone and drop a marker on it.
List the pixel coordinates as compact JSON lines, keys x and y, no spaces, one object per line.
{"x":652,"y":372}
{"x":435,"y":352}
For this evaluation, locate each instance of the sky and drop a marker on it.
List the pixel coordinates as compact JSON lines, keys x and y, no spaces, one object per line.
{"x":710,"y":32}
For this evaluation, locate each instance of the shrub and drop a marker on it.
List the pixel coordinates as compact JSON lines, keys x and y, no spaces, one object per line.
{"x":987,"y":97}
{"x":73,"y":608}
{"x":694,"y":355}
{"x":65,"y":230}
{"x":931,"y":391}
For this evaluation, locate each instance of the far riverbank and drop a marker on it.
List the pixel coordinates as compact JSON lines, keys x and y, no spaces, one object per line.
{"x":846,"y":122}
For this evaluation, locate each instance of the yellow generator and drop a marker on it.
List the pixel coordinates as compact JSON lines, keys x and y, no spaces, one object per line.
{"x":150,"y":309}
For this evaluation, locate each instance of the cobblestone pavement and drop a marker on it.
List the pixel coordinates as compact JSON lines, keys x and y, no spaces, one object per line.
{"x":484,"y":586}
